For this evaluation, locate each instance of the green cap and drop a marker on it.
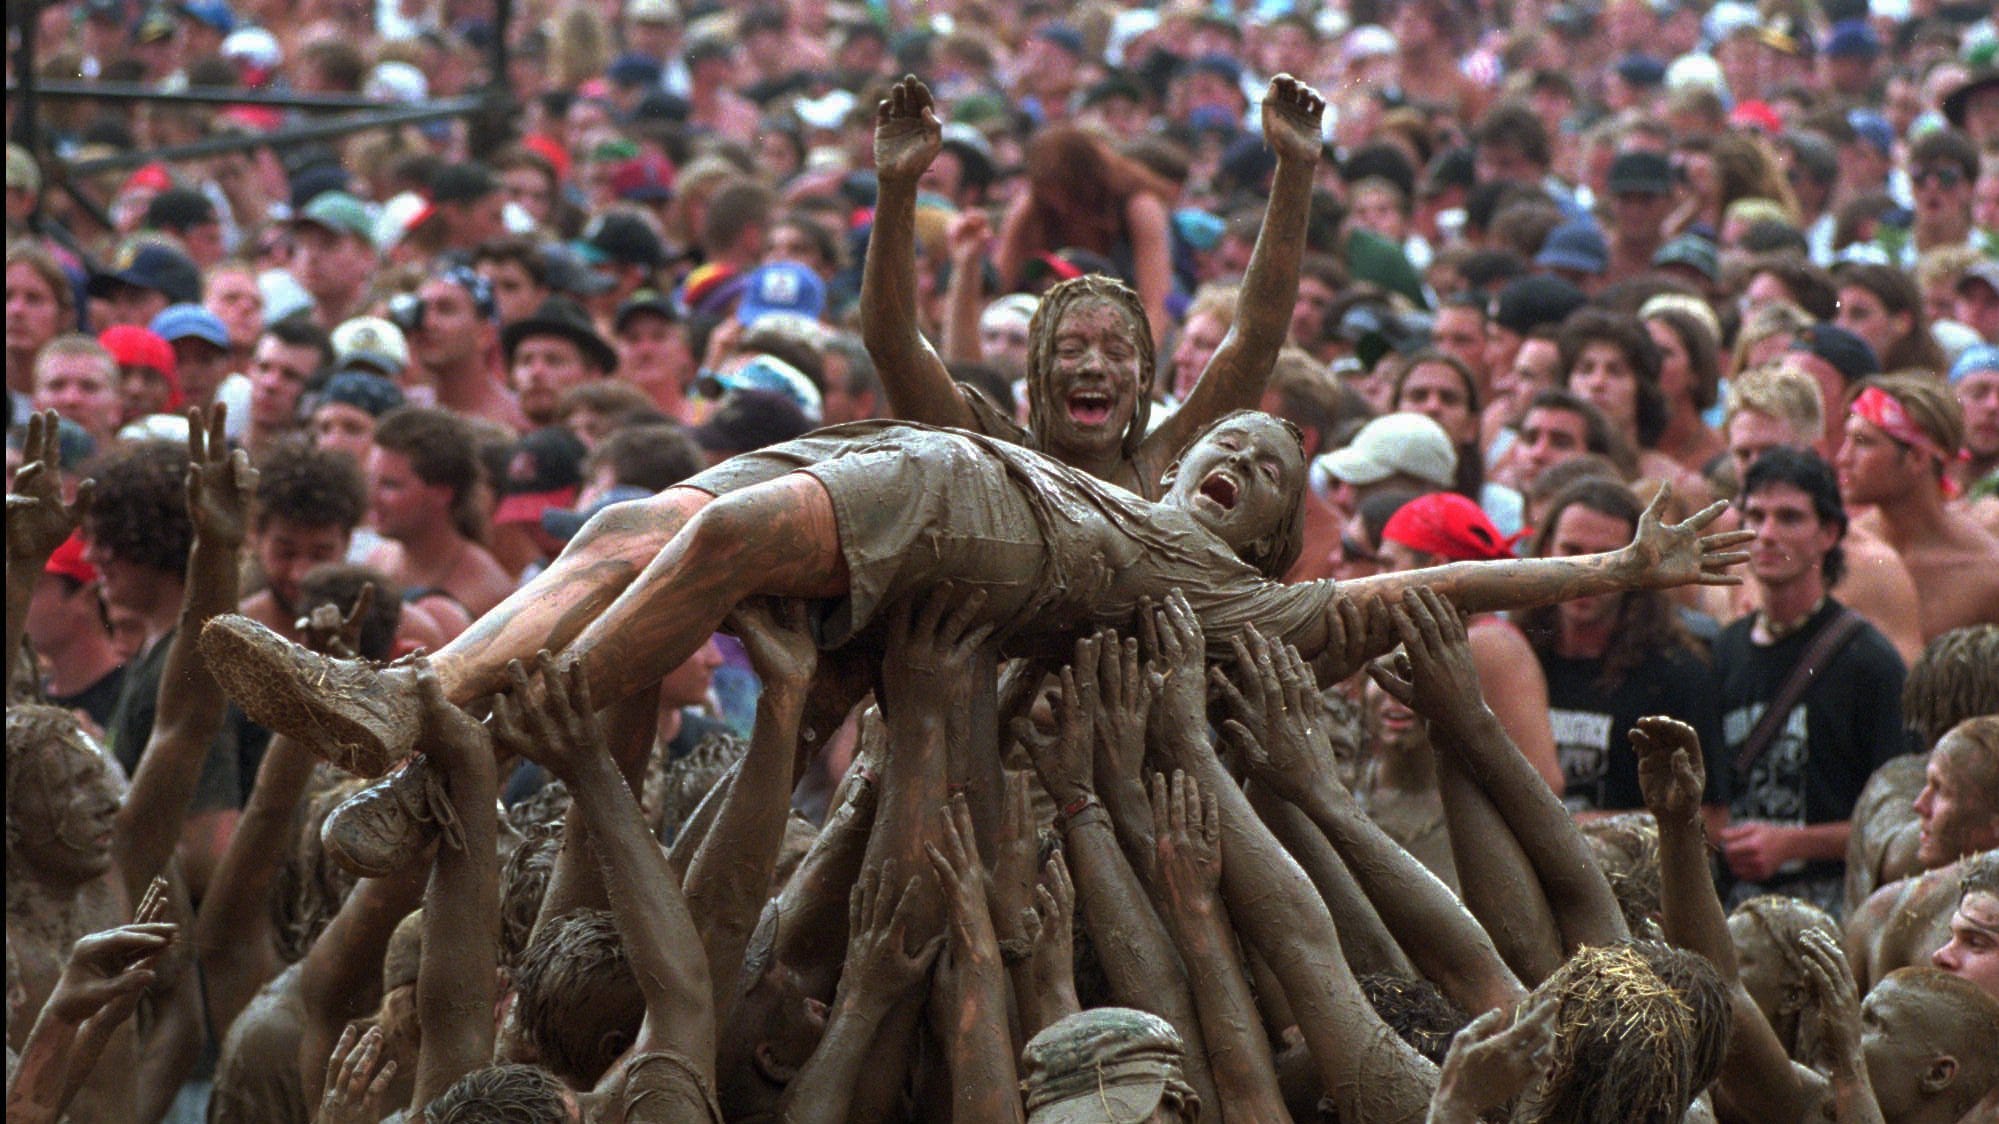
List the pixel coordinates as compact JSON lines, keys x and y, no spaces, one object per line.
{"x":340,"y":213}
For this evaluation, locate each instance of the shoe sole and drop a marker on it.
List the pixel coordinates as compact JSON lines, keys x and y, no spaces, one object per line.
{"x":258,"y":670}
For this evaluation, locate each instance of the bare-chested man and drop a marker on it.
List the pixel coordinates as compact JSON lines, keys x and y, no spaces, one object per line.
{"x":1902,"y":431}
{"x":1770,"y":407}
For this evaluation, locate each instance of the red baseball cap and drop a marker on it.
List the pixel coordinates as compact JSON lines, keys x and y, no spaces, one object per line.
{"x":133,"y":346}
{"x":67,"y":561}
{"x":1450,"y":526}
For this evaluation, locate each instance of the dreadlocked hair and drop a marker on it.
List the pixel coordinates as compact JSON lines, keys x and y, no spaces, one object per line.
{"x":1626,"y":848}
{"x":1055,"y":304}
{"x":1784,"y":920}
{"x":1640,"y":1031}
{"x":1956,"y":677}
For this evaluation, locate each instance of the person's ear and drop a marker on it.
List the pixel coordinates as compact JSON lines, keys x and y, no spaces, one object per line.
{"x":767,"y":1063}
{"x":1939,"y":1074}
{"x":614,"y":1043}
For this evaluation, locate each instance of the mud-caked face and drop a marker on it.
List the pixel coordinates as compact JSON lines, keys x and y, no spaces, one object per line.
{"x":1093,"y":380}
{"x":1242,"y":479}
{"x":64,"y":808}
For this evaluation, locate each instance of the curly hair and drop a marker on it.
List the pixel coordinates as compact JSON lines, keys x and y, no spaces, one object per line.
{"x":1055,"y":304}
{"x":500,"y":1094}
{"x":579,"y":999}
{"x":139,"y":513}
{"x":1956,"y":677}
{"x":309,"y":486}
{"x":1628,"y":335}
{"x":1647,"y":623}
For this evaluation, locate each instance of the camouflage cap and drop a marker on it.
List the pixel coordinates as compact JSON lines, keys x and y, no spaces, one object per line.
{"x":1097,"y":1066}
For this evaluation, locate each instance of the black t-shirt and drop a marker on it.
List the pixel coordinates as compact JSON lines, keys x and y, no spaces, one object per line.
{"x":1847,"y":723}
{"x":99,"y":700}
{"x":1592,"y":726}
{"x":131,"y":726}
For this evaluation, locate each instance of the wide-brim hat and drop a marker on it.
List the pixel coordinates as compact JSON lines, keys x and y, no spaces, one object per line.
{"x":1959,"y":99}
{"x":559,"y":316}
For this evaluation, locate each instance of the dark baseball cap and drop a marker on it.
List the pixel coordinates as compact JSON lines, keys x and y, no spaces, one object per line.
{"x":178,"y":208}
{"x":462,"y":183}
{"x":1847,"y":353}
{"x":150,"y":265}
{"x":624,"y":238}
{"x":1647,"y":173}
{"x":1528,"y":302}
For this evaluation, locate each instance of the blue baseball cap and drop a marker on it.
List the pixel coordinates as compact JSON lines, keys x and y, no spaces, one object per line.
{"x":190,"y":321}
{"x":1576,"y":245}
{"x":1983,"y":357}
{"x":1873,"y":128}
{"x":781,"y":287}
{"x":767,"y":374}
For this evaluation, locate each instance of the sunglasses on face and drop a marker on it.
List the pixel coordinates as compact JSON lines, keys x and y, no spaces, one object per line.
{"x":1945,"y":177}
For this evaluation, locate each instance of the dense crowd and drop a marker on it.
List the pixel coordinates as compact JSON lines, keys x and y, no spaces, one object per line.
{"x":1376,"y":561}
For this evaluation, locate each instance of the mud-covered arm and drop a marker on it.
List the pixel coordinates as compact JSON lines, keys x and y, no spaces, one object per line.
{"x":814,"y":900}
{"x":968,"y":994}
{"x":1841,"y":1056}
{"x":457,"y":978}
{"x":879,"y":973}
{"x":646,"y":904}
{"x":1133,"y":946}
{"x":1369,"y":947}
{"x":1240,"y":368}
{"x":1293,"y":755}
{"x":1186,"y":826}
{"x":1442,"y":686}
{"x":1498,"y":883}
{"x":1758,"y":1080}
{"x":99,"y":988}
{"x":1369,"y":1071}
{"x":38,"y":522}
{"x":191,"y":704}
{"x":1660,"y":556}
{"x":907,"y":138}
{"x":729,"y":879}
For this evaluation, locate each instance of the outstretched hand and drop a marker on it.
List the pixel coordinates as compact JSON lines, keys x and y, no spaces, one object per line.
{"x":1187,"y":839}
{"x":1124,"y":703}
{"x":1491,"y":1062}
{"x":962,"y":878}
{"x":932,"y":646}
{"x":908,"y":135}
{"x":1837,"y":1001}
{"x":777,"y":635}
{"x":220,"y":481}
{"x":327,"y":631}
{"x":1292,"y":119}
{"x":109,"y":966}
{"x":1671,"y":774}
{"x":1178,"y":649}
{"x":37,"y":520}
{"x":879,"y":969}
{"x":1065,"y":761}
{"x":357,"y":1079}
{"x":1668,"y":555}
{"x":1436,"y":677}
{"x":555,"y":726}
{"x":1292,"y":752}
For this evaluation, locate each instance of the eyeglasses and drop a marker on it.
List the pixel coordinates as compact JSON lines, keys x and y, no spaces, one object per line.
{"x":1944,"y":177}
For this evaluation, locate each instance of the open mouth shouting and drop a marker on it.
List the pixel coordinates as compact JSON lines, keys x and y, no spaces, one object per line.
{"x":1221,"y":489}
{"x":1089,"y":407}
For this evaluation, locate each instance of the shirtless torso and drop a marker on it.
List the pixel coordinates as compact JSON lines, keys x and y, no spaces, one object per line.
{"x":1901,"y":924}
{"x":1956,"y":568}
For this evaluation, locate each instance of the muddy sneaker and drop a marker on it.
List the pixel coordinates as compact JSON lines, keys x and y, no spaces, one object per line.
{"x":358,"y":716}
{"x":379,"y":829}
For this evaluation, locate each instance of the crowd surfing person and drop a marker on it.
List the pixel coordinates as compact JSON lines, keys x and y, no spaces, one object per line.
{"x":860,"y":685}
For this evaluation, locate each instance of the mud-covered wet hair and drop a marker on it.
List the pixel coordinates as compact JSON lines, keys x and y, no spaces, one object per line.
{"x":1274,"y":554}
{"x":500,"y":1094}
{"x":1055,"y":304}
{"x":579,"y":998}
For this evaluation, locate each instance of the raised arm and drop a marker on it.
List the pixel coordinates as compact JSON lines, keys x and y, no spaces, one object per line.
{"x":1187,"y":827}
{"x":1758,"y":1080}
{"x":1132,"y":943}
{"x":729,"y":879}
{"x":967,"y":236}
{"x":1240,"y":368}
{"x":1293,"y":755}
{"x":879,"y":972}
{"x":907,"y":138}
{"x":232,"y":933}
{"x":1443,"y":688}
{"x":646,"y":903}
{"x":37,"y":523}
{"x":968,"y":994}
{"x":456,"y":981}
{"x":102,"y":980}
{"x":1369,"y":1071}
{"x":191,"y":703}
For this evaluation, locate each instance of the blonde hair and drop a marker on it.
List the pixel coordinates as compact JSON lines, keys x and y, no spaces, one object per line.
{"x":1785,"y":393}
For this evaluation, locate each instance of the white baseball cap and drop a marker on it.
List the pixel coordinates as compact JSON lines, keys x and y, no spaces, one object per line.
{"x":1405,"y":443}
